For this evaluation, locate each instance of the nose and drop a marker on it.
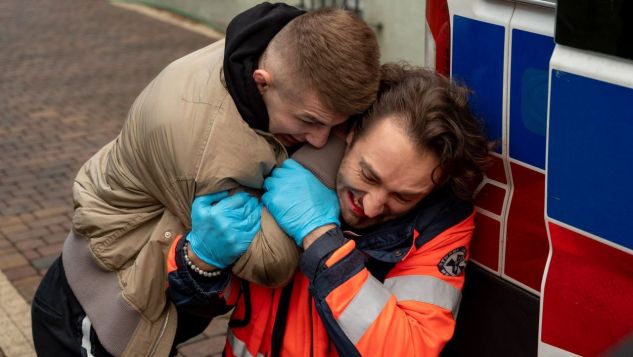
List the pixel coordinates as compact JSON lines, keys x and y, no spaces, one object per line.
{"x":374,"y":203}
{"x":318,"y":137}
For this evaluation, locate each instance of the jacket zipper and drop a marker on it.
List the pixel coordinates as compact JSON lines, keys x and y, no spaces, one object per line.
{"x":160,"y":336}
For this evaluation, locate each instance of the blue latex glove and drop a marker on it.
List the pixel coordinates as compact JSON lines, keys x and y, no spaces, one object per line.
{"x":298,"y":201}
{"x":223,"y":227}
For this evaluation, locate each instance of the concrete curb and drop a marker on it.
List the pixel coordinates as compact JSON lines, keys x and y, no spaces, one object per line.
{"x":171,"y":18}
{"x":15,"y":322}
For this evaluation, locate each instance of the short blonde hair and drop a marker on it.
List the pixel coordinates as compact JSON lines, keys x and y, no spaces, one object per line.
{"x":331,"y":52}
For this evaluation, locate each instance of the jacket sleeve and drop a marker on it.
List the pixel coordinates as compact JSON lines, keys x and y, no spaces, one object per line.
{"x":412,"y":313}
{"x":272,"y":257}
{"x":202,"y":296}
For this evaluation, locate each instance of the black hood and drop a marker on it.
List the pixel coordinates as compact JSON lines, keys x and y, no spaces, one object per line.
{"x":247,"y":36}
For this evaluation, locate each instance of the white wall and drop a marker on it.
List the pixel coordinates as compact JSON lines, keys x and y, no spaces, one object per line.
{"x":400,"y":26}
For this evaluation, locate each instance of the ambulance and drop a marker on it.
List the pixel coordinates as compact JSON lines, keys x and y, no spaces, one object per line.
{"x":551,"y":270}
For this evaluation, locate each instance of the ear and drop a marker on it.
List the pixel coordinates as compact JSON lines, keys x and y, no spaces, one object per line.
{"x":263,"y":79}
{"x":350,"y":136}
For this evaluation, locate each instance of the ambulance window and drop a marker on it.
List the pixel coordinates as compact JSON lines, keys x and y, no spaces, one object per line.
{"x":603,"y":26}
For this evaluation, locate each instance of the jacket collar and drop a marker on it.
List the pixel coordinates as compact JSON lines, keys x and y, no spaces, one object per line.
{"x":247,"y":36}
{"x":392,"y":241}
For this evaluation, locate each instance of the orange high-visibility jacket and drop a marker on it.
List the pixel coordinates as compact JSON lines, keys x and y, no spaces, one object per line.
{"x":393,"y":291}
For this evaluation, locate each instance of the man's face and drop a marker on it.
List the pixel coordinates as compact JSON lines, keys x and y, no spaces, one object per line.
{"x":299,"y":118}
{"x":382,"y":176}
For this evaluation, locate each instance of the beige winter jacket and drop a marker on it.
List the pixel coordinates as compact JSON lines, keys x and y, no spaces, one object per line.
{"x":183,"y":137}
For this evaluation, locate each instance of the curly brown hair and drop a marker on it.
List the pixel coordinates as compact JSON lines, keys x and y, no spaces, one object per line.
{"x":434,"y":112}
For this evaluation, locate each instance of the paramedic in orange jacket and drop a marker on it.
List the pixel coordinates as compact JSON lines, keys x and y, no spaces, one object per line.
{"x":388,"y":280}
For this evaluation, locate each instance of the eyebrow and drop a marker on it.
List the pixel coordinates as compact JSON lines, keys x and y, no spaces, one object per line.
{"x":374,"y":176}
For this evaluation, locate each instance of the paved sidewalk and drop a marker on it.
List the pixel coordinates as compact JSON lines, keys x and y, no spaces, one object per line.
{"x":69,"y":71}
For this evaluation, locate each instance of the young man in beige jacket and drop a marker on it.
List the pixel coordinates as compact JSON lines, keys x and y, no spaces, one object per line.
{"x":217,"y":119}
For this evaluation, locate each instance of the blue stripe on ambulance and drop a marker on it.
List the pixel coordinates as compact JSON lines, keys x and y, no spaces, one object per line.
{"x":478,"y":61}
{"x":528,"y":96}
{"x":590,"y":163}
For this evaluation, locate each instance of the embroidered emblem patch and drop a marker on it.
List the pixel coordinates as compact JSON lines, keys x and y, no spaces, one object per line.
{"x":454,"y":262}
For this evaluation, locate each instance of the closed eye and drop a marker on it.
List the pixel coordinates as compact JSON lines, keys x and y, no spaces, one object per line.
{"x":368,"y":178}
{"x":402,"y":198}
{"x":311,"y":121}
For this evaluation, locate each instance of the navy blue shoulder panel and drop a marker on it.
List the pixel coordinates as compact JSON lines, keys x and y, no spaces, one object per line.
{"x":391,"y":241}
{"x":440,"y":216}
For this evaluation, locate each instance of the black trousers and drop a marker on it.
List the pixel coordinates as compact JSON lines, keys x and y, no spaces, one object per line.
{"x":61,"y":328}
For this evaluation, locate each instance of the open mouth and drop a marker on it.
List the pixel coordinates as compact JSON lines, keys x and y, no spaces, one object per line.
{"x":356,"y":208}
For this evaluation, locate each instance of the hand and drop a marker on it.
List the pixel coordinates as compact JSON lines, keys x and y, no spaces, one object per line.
{"x":298,"y":201}
{"x":223,"y":227}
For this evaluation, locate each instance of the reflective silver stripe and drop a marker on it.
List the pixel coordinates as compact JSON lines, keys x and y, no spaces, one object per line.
{"x":425,"y":288}
{"x":364,"y":309}
{"x":238,"y":347}
{"x":85,"y":338}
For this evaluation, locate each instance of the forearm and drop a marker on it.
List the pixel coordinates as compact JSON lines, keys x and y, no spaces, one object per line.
{"x":198,"y":295}
{"x":323,"y":162}
{"x":272,"y":257}
{"x":315,"y":234}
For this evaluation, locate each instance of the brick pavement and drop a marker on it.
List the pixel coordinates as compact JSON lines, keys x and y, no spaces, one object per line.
{"x":69,"y":71}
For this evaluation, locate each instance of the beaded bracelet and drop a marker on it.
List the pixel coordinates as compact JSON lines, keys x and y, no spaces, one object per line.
{"x":192,"y":266}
